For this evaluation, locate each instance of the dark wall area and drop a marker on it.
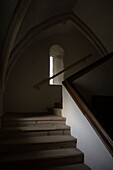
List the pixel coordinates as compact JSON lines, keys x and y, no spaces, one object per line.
{"x":96,"y":88}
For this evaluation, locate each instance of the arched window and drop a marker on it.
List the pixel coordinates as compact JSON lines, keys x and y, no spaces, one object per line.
{"x":56,"y":54}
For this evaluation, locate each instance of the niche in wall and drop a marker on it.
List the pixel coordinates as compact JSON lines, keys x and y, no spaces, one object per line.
{"x":56,"y":54}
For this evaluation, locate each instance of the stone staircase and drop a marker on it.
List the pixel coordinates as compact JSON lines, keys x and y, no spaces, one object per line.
{"x":39,"y":141}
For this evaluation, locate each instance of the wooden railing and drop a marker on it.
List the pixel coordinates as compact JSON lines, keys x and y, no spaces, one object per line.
{"x":90,"y":67}
{"x":68,"y":83}
{"x":41,"y":83}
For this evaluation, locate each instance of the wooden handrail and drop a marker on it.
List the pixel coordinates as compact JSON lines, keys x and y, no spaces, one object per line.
{"x":89,"y":115}
{"x":90,"y":67}
{"x":82,"y":104}
{"x":41,"y":83}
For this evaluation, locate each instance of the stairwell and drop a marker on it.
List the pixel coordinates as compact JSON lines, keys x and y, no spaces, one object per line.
{"x":38,"y":141}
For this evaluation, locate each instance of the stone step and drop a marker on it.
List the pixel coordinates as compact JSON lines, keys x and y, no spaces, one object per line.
{"x":27,"y":144}
{"x":37,"y":130}
{"x":26,"y":114}
{"x":55,"y":111}
{"x":42,"y":159}
{"x":30,"y":117}
{"x":29,"y":120}
{"x":42,"y":127}
{"x":71,"y":167}
{"x":27,"y":123}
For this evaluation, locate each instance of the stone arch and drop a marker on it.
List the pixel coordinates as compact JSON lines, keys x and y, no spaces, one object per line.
{"x":35,"y":31}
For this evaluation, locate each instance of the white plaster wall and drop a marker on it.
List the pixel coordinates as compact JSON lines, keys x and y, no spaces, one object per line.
{"x":96,"y":155}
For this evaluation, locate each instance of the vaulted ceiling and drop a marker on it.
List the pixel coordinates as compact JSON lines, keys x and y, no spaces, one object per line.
{"x":21,"y":21}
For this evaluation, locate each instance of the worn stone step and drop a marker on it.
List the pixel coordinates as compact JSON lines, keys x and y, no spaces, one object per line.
{"x":30,"y":117}
{"x":42,"y":159}
{"x":27,"y":144}
{"x":71,"y":167}
{"x":34,"y":128}
{"x":55,"y":111}
{"x":37,"y":130}
{"x":26,"y":114}
{"x":24,"y":121}
{"x":32,"y":122}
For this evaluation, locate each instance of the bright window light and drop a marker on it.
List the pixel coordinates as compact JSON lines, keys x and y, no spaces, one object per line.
{"x":51,"y":70}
